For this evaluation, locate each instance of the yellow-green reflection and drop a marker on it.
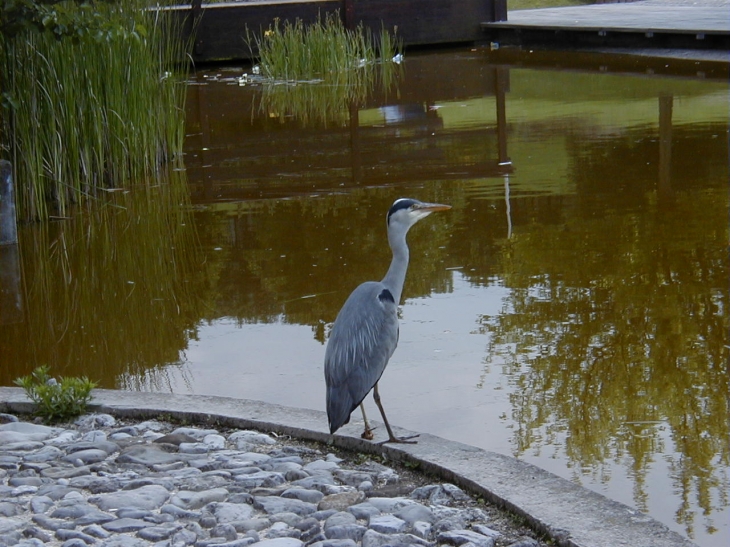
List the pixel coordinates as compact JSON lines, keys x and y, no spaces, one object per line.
{"x":112,"y":293}
{"x":617,"y":326}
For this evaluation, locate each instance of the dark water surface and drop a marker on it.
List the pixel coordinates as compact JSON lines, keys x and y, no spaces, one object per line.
{"x":571,"y":309}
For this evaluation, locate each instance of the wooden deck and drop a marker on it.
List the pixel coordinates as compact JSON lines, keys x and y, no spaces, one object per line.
{"x":675,"y":24}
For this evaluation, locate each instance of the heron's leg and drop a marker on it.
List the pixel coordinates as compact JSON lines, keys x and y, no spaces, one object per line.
{"x":391,"y":438}
{"x":368,"y":433}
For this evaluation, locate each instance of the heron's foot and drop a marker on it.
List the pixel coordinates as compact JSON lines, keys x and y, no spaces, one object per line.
{"x":368,"y":434}
{"x":401,"y":440}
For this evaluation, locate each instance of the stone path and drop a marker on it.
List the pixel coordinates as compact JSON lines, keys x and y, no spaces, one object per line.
{"x":108,"y":483}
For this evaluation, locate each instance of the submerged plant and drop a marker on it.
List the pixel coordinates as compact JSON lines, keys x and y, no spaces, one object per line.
{"x":91,"y":111}
{"x":56,"y":400}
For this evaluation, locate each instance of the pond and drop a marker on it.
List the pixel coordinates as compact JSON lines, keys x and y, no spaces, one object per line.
{"x":571,"y":310}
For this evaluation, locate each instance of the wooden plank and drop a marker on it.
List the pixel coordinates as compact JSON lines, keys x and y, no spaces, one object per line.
{"x":647,"y":24}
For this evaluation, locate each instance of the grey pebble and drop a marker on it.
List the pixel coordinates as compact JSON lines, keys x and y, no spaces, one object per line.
{"x":272,"y":505}
{"x":187,"y":499}
{"x":145,"y":497}
{"x":64,"y":535}
{"x":51,"y":524}
{"x":340,"y":501}
{"x":387,"y":524}
{"x":354,"y":532}
{"x":290,"y":519}
{"x":157,"y":533}
{"x":148,"y":485}
{"x":45,"y":454}
{"x":230,"y":512}
{"x":364,"y":510}
{"x":74,"y":542}
{"x":415,"y":512}
{"x":335,"y":543}
{"x":303,"y":494}
{"x":461,"y":537}
{"x":339,"y":519}
{"x":251,"y":525}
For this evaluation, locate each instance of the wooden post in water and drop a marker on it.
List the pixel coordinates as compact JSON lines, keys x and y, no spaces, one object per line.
{"x":11,"y":308}
{"x":501,"y":83}
{"x":499,"y":10}
{"x":348,"y":14}
{"x":8,"y":222}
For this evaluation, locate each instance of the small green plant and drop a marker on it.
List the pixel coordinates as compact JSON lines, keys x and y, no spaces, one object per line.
{"x":56,"y":400}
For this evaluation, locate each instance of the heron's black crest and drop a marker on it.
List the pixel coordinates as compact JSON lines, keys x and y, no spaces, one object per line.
{"x":386,"y":296}
{"x":402,"y":203}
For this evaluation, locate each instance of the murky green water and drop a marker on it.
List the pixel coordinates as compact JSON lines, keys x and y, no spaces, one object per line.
{"x":570,"y":310}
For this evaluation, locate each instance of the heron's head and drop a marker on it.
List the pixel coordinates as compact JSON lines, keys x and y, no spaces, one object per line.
{"x":407,"y":211}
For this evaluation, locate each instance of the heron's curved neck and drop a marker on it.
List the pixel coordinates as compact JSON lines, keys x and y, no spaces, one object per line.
{"x":396,"y":275}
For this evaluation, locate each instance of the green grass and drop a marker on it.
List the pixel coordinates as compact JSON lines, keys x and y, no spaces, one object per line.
{"x":92,"y":112}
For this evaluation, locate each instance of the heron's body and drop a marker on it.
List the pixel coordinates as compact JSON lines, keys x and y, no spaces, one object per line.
{"x":365,"y":333}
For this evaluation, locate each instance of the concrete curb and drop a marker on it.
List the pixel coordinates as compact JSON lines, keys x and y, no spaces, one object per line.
{"x":570,"y":514}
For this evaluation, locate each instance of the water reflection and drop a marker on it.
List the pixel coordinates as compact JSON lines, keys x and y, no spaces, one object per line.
{"x":572,"y":309}
{"x":114,"y":292}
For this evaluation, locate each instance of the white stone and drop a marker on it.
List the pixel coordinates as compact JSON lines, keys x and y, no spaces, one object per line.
{"x":64,"y":437}
{"x":390,"y":505}
{"x":193,"y":448}
{"x":195,"y":433}
{"x":387,"y":524}
{"x":231,"y":512}
{"x":280,"y":542}
{"x":422,"y":529}
{"x":245,"y":438}
{"x":215,"y":441}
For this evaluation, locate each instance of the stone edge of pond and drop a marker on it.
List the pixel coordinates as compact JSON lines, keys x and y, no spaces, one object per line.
{"x":571,"y":515}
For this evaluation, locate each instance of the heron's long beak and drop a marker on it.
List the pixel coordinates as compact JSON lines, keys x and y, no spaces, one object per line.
{"x":432,"y":207}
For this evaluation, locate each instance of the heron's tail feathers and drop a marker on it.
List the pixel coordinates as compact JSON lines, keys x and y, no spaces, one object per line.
{"x":339,"y":407}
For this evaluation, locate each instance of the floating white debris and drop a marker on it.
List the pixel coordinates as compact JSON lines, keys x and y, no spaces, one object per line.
{"x":398,"y":59}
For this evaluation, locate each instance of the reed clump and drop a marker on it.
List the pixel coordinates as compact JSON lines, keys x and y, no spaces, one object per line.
{"x":316,"y":71}
{"x":92,"y":111}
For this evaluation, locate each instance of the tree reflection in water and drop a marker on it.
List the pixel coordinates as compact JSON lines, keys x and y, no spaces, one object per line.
{"x":615,"y":335}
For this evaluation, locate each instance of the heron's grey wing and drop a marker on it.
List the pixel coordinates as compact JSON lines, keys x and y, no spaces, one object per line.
{"x":363,"y":338}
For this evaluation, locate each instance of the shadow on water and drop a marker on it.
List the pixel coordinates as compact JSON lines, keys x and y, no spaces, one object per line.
{"x":570,"y":310}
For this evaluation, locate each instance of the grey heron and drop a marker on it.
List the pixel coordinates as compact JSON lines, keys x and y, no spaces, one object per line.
{"x":365,"y":333}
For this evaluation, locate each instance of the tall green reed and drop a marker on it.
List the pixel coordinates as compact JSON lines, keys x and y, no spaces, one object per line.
{"x":94,"y":111}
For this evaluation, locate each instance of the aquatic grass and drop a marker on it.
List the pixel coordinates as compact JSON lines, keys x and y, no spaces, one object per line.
{"x":295,"y":51}
{"x":316,"y":72}
{"x":95,"y":111}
